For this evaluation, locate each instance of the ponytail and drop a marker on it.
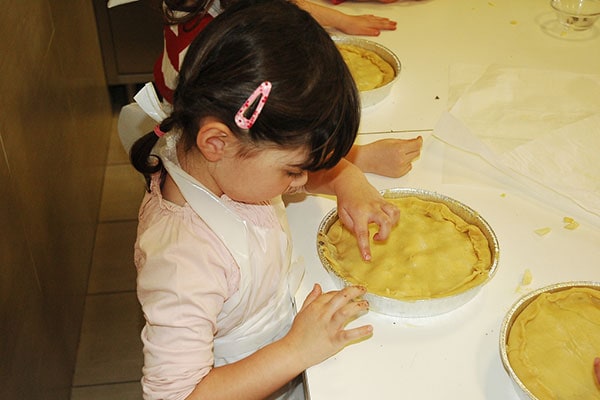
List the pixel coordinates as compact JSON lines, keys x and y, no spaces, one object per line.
{"x":143,"y":160}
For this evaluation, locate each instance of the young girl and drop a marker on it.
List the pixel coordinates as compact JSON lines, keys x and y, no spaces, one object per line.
{"x":256,"y":114}
{"x":186,"y":18}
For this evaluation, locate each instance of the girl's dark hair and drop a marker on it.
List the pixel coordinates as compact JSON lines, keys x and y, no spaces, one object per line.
{"x":313,"y":100}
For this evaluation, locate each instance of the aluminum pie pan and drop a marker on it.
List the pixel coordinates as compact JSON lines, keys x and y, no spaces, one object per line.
{"x":418,"y":308}
{"x":521,"y":390}
{"x":371,"y":97}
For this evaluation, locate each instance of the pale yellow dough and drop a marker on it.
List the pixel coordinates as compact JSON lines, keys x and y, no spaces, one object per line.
{"x":553,"y":342}
{"x":368,"y":69}
{"x":430,"y":253}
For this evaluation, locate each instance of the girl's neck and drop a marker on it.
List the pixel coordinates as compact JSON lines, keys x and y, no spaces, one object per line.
{"x":194,"y":164}
{"x":171,"y":192}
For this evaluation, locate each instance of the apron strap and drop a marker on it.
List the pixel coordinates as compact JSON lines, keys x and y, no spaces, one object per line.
{"x":221,"y":220}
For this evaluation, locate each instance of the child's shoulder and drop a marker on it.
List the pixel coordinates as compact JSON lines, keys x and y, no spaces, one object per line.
{"x":159,"y":214}
{"x":167,"y":228}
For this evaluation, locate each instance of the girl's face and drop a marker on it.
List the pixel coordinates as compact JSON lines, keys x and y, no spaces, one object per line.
{"x":261,"y":175}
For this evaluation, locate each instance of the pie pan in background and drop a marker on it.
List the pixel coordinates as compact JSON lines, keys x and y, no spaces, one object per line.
{"x":511,"y":316}
{"x":371,"y":97}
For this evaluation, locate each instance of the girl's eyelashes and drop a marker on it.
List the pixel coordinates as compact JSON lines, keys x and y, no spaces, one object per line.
{"x":295,"y":174}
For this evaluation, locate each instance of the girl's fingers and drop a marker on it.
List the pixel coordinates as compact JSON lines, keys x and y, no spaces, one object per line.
{"x":364,"y":244}
{"x":352,"y":310}
{"x":387,"y":221}
{"x":392,"y":211}
{"x":385,"y":216}
{"x":337,"y":308}
{"x":341,"y":298}
{"x":414,"y":148}
{"x":353,"y":334}
{"x":360,"y":230}
{"x":313,"y":295}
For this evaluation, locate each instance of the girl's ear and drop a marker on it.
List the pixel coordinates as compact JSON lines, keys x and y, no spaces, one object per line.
{"x":212,"y":139}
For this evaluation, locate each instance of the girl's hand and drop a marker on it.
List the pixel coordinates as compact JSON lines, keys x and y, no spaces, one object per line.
{"x":365,"y":25}
{"x":368,"y":25}
{"x":318,"y":329}
{"x":387,"y":157}
{"x":358,"y":203}
{"x":597,"y":369}
{"x":358,"y":209}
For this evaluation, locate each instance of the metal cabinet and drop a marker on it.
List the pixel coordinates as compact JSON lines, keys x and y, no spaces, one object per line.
{"x":131,"y":40}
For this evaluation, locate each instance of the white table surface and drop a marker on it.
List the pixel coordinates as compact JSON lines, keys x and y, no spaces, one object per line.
{"x":433,"y":36}
{"x":455,"y":355}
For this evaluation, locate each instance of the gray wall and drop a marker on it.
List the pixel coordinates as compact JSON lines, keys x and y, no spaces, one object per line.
{"x":55,"y":119}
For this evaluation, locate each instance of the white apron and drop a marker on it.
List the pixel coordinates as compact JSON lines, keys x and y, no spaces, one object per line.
{"x":263,"y":255}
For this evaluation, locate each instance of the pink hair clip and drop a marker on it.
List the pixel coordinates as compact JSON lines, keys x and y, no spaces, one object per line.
{"x":158,"y":132}
{"x":262,"y":90}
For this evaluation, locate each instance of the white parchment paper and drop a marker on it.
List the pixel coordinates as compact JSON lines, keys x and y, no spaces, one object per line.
{"x":536,"y":125}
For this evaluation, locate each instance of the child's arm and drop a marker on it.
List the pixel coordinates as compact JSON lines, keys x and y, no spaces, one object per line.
{"x":597,"y":369}
{"x":387,"y":157}
{"x":365,"y":1}
{"x":359,"y":203}
{"x":316,"y":334}
{"x":368,"y":25}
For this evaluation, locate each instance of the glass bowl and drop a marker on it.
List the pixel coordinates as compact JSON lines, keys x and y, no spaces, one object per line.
{"x":577,"y":15}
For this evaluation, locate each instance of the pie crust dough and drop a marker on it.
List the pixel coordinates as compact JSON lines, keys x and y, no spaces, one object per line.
{"x":368,"y":69}
{"x":553,"y":341}
{"x":430,"y":253}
